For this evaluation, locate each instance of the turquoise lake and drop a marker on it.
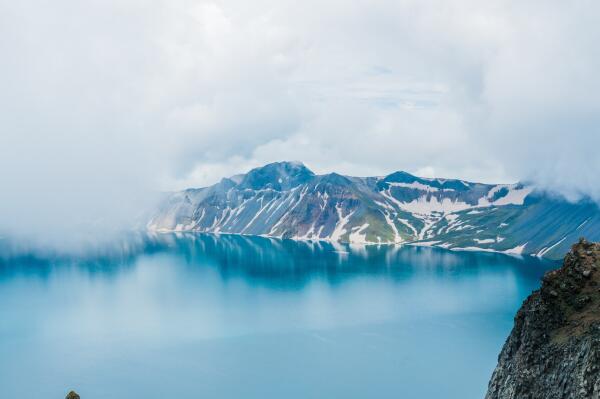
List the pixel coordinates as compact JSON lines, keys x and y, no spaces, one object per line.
{"x":203,"y":316}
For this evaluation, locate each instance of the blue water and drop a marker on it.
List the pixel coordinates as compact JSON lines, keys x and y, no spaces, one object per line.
{"x":200,"y":316}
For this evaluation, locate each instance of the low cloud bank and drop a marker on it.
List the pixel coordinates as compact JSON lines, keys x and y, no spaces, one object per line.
{"x":105,"y":104}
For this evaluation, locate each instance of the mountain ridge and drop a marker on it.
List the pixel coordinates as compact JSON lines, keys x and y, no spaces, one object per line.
{"x":288,"y":200}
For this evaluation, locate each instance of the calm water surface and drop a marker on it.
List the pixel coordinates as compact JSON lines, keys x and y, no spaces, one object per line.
{"x":200,"y":316}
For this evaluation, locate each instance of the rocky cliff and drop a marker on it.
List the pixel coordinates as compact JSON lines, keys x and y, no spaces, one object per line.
{"x":553,"y":350}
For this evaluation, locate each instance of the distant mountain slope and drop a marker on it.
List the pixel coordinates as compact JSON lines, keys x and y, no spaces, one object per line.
{"x":287,"y":200}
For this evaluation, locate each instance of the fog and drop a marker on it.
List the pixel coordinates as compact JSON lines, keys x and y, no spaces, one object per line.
{"x":104,"y":104}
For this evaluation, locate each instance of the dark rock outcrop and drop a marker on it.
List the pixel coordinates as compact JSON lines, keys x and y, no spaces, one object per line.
{"x":72,"y":395}
{"x":553,"y":350}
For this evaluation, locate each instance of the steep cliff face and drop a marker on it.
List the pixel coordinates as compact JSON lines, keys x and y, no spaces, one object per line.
{"x":553,"y":350}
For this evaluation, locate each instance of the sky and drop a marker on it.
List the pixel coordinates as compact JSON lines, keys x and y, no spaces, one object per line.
{"x":104,"y":103}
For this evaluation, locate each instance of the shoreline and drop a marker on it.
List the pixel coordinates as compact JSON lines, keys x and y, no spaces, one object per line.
{"x":430,"y":244}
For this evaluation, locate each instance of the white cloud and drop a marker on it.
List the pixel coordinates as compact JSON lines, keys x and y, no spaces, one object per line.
{"x":102,"y":101}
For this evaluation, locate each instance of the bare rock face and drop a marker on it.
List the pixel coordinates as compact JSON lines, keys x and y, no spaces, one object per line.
{"x":553,"y":350}
{"x":72,"y":395}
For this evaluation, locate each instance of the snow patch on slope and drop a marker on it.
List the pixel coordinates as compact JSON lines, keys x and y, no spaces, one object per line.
{"x":357,"y":236}
{"x":518,"y":250}
{"x":418,"y":186}
{"x":425,"y":206}
{"x":515,"y":196}
{"x":544,"y":251}
{"x":340,"y":229}
{"x":484,"y":241}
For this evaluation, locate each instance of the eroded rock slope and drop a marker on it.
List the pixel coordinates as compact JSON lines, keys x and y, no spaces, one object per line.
{"x":553,"y":350}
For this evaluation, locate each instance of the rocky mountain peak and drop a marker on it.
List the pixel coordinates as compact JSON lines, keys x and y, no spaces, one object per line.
{"x":553,"y":350}
{"x":277,"y":176}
